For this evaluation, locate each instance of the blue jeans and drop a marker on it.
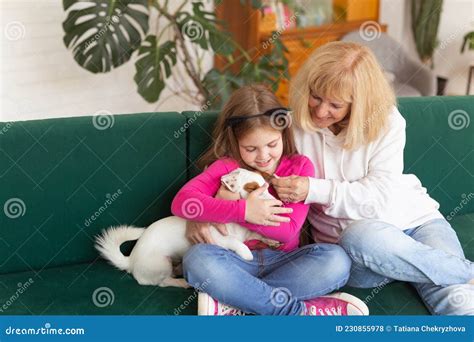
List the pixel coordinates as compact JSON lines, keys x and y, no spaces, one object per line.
{"x":273,"y":283}
{"x":429,"y":256}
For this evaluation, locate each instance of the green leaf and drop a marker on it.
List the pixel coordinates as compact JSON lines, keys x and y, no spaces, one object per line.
{"x":219,"y":86}
{"x":202,"y":28}
{"x":103,"y":34}
{"x":269,"y":69}
{"x":153,"y":67}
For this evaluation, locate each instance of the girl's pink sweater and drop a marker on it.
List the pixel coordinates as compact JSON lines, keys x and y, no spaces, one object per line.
{"x":195,"y":201}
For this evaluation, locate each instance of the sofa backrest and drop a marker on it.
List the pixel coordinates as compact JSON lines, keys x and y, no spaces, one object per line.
{"x":440,"y":149}
{"x":64,"y":180}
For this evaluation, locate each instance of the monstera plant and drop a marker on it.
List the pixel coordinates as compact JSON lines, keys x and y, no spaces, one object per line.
{"x":104,"y":34}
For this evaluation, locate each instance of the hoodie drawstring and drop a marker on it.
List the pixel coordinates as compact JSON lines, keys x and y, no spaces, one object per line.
{"x":342,"y":165}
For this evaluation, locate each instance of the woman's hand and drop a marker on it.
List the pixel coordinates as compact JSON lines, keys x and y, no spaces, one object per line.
{"x":224,"y":193}
{"x":291,"y":189}
{"x":200,"y":232}
{"x":264,"y":211}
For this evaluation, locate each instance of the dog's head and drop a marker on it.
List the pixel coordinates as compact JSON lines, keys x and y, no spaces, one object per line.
{"x":244,"y":182}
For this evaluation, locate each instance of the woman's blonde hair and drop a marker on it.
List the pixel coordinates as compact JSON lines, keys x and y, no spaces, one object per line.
{"x":246,"y":101}
{"x":347,"y":72}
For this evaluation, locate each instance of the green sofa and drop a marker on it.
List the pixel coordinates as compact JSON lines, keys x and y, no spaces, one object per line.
{"x":64,"y":180}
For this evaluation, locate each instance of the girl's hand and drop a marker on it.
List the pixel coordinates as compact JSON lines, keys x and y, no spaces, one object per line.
{"x":291,"y":189}
{"x":224,"y":193}
{"x":199,"y":232}
{"x":264,"y":211}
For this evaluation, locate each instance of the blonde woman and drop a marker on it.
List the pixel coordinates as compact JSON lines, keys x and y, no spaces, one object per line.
{"x":348,"y":125}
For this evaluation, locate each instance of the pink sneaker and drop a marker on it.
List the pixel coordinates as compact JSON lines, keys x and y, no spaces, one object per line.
{"x":336,"y":304}
{"x":208,"y":306}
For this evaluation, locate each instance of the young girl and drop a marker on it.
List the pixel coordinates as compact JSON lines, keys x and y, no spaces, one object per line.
{"x":252,"y":132}
{"x":349,"y":127}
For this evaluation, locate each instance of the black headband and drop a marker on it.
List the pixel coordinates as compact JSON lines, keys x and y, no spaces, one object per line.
{"x":231,"y":122}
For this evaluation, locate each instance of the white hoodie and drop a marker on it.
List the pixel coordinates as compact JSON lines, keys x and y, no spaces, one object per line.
{"x":365,"y":183}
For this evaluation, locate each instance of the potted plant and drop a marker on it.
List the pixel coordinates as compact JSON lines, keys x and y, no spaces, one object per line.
{"x":468,"y":43}
{"x":104,"y":34}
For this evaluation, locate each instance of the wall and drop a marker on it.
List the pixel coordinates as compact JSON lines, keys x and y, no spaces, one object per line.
{"x":40,"y":79}
{"x":457,"y":18}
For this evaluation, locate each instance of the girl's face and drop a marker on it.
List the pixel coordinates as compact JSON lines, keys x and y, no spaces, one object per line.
{"x":261,"y":149}
{"x":326,"y":112}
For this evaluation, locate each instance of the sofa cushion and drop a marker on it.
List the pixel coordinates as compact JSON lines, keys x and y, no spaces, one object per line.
{"x":69,"y":290}
{"x":99,"y":289}
{"x":89,"y":289}
{"x":64,"y":180}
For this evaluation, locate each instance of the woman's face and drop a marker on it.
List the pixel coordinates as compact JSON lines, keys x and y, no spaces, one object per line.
{"x":326,"y":112}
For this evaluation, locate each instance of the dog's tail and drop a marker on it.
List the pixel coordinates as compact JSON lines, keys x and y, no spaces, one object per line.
{"x":108,"y":244}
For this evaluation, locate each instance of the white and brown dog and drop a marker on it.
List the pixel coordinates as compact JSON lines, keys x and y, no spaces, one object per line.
{"x":164,"y":242}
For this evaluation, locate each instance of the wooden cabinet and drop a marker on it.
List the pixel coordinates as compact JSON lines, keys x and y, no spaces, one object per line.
{"x":255,"y":31}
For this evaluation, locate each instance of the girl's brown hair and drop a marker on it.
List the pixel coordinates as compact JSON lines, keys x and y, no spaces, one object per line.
{"x":247,"y":101}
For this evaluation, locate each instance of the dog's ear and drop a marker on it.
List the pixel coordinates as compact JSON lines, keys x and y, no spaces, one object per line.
{"x":249,"y":187}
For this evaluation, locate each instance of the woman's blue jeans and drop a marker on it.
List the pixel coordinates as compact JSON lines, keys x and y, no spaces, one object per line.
{"x":273,"y":283}
{"x":429,"y":256}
